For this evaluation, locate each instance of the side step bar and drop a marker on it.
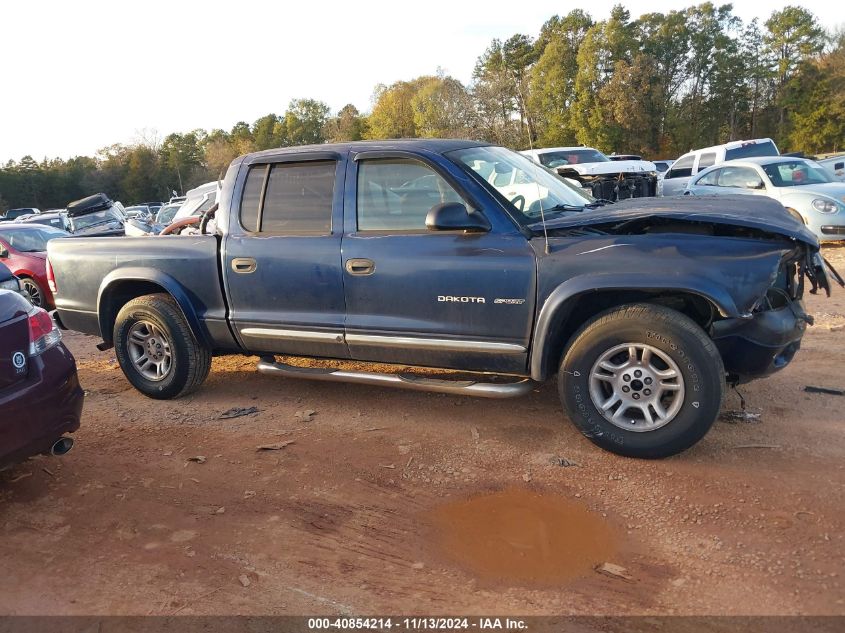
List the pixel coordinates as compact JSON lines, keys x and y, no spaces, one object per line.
{"x":415,"y":383}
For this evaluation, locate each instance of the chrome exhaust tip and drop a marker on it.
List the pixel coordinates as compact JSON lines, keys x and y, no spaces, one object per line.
{"x":61,"y":446}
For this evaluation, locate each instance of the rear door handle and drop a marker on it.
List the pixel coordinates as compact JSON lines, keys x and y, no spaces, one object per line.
{"x":360,"y":266}
{"x":244,"y":265}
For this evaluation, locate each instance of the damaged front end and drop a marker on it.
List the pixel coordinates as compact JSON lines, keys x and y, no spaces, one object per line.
{"x":614,"y":186}
{"x":748,"y":257}
{"x":766,"y":339}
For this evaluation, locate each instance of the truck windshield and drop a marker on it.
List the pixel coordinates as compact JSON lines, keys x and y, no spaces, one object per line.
{"x":528,"y":189}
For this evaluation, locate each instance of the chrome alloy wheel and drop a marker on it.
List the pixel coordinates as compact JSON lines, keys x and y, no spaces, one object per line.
{"x":637,"y":387}
{"x":34,"y":292}
{"x":149,"y":350}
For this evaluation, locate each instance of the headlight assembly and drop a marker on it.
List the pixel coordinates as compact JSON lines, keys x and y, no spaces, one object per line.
{"x":825,"y":206}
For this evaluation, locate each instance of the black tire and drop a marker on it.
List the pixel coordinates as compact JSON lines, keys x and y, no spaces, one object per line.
{"x":189,"y":361}
{"x":668,"y":334}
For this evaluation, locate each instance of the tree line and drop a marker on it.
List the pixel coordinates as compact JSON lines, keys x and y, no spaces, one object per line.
{"x":657,"y":85}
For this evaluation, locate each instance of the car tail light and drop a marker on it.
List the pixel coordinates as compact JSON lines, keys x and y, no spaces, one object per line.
{"x":43,"y":333}
{"x":51,"y":278}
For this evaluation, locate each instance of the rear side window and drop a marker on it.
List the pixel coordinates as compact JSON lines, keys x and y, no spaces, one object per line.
{"x":766,"y":148}
{"x":251,"y":199}
{"x":706,"y":160}
{"x":289,"y":198}
{"x":299,"y":198}
{"x":682,"y":168}
{"x":397,"y":194}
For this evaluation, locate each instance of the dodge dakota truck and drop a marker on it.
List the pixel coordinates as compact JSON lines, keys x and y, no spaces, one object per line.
{"x":407,"y":252}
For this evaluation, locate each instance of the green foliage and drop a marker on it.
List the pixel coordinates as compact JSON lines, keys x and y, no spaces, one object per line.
{"x":552,"y":79}
{"x":793,"y":35}
{"x":605,"y":45}
{"x":443,"y":109}
{"x":304,"y":122}
{"x":393,"y":111}
{"x":348,"y":125}
{"x":817,"y":99}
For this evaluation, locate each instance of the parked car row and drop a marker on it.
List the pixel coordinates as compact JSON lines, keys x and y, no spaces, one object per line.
{"x":177,"y":216}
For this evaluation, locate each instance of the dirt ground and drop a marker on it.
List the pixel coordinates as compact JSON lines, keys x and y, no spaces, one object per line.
{"x":392,"y":502}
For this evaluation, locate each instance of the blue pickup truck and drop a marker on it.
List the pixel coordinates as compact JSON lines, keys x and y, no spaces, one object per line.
{"x":462,"y":256}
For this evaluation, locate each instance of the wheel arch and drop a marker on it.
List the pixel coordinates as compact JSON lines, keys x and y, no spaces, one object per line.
{"x":25,"y":272}
{"x":123,"y":285}
{"x":574,"y":302}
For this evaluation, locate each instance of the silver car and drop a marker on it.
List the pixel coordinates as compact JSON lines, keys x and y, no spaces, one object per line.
{"x":802,"y":186}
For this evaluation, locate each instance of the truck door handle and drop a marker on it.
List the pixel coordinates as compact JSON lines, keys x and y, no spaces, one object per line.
{"x":360,"y":266}
{"x":244,"y":265}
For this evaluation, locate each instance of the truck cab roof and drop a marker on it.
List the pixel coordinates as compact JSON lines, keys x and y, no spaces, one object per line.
{"x":434,"y":145}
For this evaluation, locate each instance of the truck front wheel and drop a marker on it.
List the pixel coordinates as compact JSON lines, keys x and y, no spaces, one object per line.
{"x":156,"y":349}
{"x":642,"y":381}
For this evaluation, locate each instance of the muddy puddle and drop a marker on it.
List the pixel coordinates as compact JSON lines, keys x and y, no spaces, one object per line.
{"x":522,"y":537}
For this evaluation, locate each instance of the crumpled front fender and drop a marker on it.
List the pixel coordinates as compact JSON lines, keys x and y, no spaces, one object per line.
{"x":733,"y":274}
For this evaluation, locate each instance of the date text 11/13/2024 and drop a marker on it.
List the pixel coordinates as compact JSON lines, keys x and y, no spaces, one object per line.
{"x":417,"y":624}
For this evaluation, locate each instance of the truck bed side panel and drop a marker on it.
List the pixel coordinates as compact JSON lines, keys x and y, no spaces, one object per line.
{"x":87,"y":269}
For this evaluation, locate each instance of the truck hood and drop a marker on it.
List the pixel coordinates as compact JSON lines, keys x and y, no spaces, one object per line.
{"x":752,"y":212}
{"x":610,"y":167}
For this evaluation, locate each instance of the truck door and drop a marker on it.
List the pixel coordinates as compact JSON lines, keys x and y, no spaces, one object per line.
{"x":281,"y":256}
{"x":424,"y":297}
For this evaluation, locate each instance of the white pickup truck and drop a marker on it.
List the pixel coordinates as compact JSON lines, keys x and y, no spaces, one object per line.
{"x":600,"y":176}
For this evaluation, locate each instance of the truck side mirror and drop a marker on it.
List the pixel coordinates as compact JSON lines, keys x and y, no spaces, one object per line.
{"x":454,"y":216}
{"x":3,"y":252}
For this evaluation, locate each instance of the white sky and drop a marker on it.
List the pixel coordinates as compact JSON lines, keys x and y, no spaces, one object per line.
{"x":79,"y":75}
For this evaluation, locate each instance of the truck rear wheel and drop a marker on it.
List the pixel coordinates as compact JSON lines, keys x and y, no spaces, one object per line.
{"x":642,"y":381}
{"x":156,"y":349}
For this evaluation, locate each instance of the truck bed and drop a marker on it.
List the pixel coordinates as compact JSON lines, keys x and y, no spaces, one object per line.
{"x":90,"y":273}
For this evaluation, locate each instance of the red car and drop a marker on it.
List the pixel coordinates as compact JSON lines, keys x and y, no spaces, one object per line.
{"x":40,"y":396}
{"x":23,"y":248}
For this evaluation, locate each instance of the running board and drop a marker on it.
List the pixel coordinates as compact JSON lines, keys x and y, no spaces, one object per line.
{"x":406,"y":381}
